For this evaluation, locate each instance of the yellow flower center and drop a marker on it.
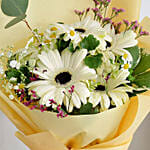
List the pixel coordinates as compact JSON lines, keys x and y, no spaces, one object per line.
{"x":53,"y":36}
{"x":47,"y":41}
{"x":41,"y":34}
{"x":21,"y":86}
{"x":126,"y":66}
{"x":54,"y":29}
{"x":72,"y":33}
{"x":125,"y":56}
{"x":102,"y":36}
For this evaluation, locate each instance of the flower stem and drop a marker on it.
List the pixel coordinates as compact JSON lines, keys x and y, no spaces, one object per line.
{"x":26,"y":22}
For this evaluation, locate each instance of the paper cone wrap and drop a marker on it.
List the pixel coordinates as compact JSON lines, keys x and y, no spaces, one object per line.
{"x":110,"y":130}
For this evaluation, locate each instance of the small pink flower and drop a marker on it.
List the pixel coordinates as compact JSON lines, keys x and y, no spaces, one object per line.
{"x":33,"y":107}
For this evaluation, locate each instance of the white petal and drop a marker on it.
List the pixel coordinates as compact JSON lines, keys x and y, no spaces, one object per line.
{"x":76,"y":101}
{"x":59,"y":96}
{"x":77,"y":58}
{"x":42,"y":75}
{"x":55,"y":59}
{"x":115,"y":98}
{"x":105,"y":102}
{"x":37,"y":83}
{"x":46,"y":61}
{"x":84,"y":73}
{"x":66,"y":55}
{"x":95,"y":98}
{"x":47,"y":97}
{"x":41,"y":90}
{"x":82,"y":91}
{"x":126,"y":39}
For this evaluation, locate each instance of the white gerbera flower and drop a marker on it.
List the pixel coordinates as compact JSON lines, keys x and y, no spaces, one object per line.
{"x":58,"y":74}
{"x":87,"y":26}
{"x":112,"y":89}
{"x":120,"y":41}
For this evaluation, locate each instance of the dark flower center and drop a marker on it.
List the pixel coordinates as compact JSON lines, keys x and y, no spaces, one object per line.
{"x":108,"y":44}
{"x":63,"y":77}
{"x":80,"y":30}
{"x":100,"y":88}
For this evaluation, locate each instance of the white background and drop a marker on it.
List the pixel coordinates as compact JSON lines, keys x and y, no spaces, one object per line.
{"x":141,"y":139}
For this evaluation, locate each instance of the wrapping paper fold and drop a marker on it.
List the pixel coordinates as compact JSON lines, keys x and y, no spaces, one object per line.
{"x":111,"y":130}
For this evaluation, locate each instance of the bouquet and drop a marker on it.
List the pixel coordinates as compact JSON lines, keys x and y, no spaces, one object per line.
{"x":83,"y":85}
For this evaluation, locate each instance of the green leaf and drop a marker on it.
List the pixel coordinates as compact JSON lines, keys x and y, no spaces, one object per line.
{"x":25,"y":71}
{"x":93,"y":61}
{"x":14,"y":8}
{"x":89,"y":43}
{"x":86,"y":109}
{"x":71,"y":48}
{"x":143,"y":80}
{"x":143,"y":65}
{"x":13,"y":73}
{"x":62,"y":44}
{"x":135,"y":53}
{"x":15,"y":21}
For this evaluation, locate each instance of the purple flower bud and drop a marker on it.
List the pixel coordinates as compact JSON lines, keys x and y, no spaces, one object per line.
{"x":99,"y":16}
{"x":88,"y":9}
{"x":114,"y":9}
{"x":108,"y":1}
{"x":126,"y":22}
{"x":144,"y":33}
{"x":121,"y":10}
{"x":96,"y":2}
{"x":95,"y":10}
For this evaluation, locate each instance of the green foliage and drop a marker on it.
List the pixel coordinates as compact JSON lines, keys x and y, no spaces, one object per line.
{"x":71,"y":48}
{"x":15,"y":21}
{"x":93,"y":61}
{"x":86,"y":109}
{"x":143,"y":65}
{"x":13,"y":73}
{"x":14,"y":8}
{"x":143,"y":80}
{"x":89,"y":43}
{"x":62,"y":44}
{"x":135,"y":53}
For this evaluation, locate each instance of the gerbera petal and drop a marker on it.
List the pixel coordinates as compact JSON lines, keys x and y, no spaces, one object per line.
{"x":115,"y":98}
{"x":126,"y":39}
{"x":54,"y":58}
{"x":42,"y":75}
{"x":76,"y":101}
{"x":43,"y":89}
{"x":105,"y":102}
{"x":66,"y":55}
{"x":37,"y":83}
{"x":77,"y":58}
{"x":59,"y":96}
{"x":44,"y":59}
{"x":84,"y":73}
{"x":82,"y":91}
{"x":95,"y":98}
{"x":47,"y":97}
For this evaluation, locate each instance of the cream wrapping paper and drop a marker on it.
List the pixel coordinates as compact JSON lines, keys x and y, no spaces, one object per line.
{"x":43,"y":131}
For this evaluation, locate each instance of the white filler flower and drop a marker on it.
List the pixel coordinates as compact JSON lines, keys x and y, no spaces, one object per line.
{"x":58,"y":74}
